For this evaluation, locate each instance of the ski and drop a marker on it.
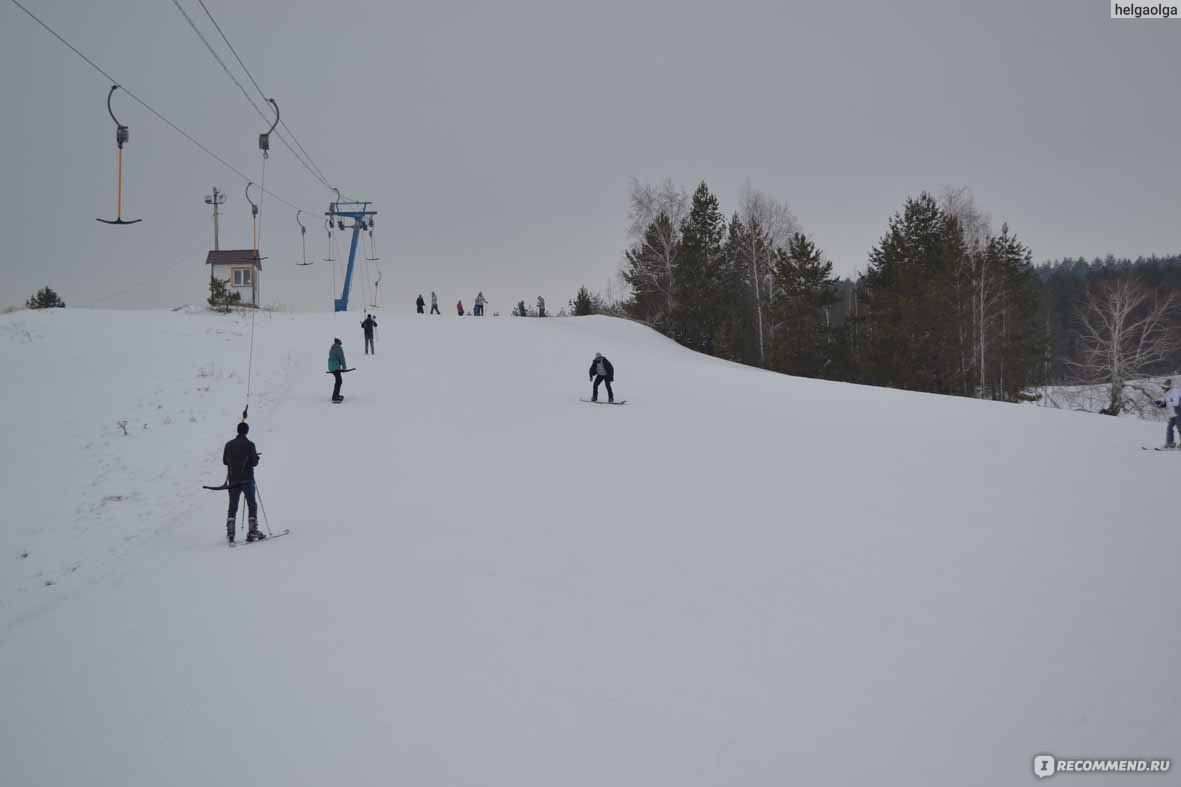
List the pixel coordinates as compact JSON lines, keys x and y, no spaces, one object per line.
{"x":1162,"y":449}
{"x":280,"y":534}
{"x":592,"y":401}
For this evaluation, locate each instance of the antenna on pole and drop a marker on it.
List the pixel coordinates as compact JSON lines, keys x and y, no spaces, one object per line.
{"x":216,"y":199}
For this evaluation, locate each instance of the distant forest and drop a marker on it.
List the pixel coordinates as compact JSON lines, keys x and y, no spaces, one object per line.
{"x":947,"y":303}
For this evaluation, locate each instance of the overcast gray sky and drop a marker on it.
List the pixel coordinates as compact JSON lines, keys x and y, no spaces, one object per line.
{"x":497,"y":139}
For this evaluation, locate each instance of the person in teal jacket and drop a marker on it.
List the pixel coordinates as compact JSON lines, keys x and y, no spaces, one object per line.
{"x":336,"y":365}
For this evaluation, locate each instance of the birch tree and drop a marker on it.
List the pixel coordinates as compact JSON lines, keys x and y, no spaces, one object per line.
{"x":770,"y":225}
{"x":655,"y":215}
{"x":1126,"y":331}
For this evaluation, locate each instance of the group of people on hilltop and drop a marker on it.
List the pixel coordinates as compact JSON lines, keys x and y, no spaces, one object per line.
{"x":477,"y":309}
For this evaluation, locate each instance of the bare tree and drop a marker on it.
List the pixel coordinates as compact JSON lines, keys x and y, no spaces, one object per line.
{"x":654,"y":226}
{"x":977,"y":279}
{"x":1126,"y":331}
{"x":770,"y":224}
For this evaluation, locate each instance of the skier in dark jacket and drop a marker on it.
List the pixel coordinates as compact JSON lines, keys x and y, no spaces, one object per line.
{"x":336,"y":365}
{"x":240,"y":459}
{"x":420,"y":303}
{"x":367,"y":326}
{"x":601,"y":371}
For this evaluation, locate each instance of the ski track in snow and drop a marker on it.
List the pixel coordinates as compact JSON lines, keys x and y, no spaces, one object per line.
{"x":739,"y":578}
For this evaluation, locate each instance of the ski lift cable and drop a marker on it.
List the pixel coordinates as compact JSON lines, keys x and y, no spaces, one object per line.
{"x":262,"y":92}
{"x":245,"y":93}
{"x":144,"y":104}
{"x":234,"y":79}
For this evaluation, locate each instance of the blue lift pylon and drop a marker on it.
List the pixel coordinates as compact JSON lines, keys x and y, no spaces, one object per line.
{"x":360,"y":215}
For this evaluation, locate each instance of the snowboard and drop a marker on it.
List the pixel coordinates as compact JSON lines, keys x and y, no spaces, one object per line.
{"x":271,"y":537}
{"x":338,"y":401}
{"x":590,"y":401}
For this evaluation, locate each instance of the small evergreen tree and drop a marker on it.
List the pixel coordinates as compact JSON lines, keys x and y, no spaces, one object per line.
{"x":583,"y":303}
{"x":45,"y":298}
{"x":220,"y":296}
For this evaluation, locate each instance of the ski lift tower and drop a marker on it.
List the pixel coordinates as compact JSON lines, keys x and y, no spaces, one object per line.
{"x":360,"y":216}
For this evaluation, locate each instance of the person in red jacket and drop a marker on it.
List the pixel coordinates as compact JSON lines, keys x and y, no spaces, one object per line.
{"x":459,"y":307}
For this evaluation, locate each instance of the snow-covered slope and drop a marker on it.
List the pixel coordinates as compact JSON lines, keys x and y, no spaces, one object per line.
{"x":738,"y":578}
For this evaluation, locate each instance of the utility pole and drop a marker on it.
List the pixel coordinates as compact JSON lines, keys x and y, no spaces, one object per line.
{"x":215,"y":199}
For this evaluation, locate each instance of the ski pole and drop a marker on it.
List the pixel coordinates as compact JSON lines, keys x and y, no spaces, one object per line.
{"x":265,"y":520}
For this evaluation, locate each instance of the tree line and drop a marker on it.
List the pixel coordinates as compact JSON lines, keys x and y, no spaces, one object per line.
{"x":946,"y":304}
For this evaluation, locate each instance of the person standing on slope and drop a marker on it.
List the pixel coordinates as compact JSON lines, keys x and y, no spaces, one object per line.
{"x":540,"y":306}
{"x":420,"y":303}
{"x":240,"y":459}
{"x":459,"y":307}
{"x":1172,"y":403}
{"x":434,"y":303}
{"x":601,"y":371}
{"x":336,"y":365}
{"x":478,"y":311}
{"x":367,"y":326}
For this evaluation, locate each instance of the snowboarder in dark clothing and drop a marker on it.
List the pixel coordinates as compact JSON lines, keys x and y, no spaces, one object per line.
{"x":367,"y":326}
{"x":336,"y":365}
{"x":434,"y":303}
{"x":240,"y":459}
{"x":601,"y":371}
{"x":420,"y":303}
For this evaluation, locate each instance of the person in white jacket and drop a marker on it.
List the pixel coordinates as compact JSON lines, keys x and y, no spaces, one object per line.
{"x":1172,"y":404}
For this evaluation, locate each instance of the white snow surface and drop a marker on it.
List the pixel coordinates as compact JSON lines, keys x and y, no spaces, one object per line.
{"x":738,"y":578}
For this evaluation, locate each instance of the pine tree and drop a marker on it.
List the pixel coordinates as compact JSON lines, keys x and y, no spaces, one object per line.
{"x":804,"y":336}
{"x":648,"y":274}
{"x":45,"y":298}
{"x":908,"y":333}
{"x":697,"y":312}
{"x":1018,"y":343}
{"x":736,"y":333}
{"x":583,"y":303}
{"x":220,"y":297}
